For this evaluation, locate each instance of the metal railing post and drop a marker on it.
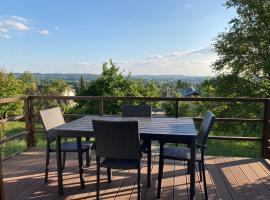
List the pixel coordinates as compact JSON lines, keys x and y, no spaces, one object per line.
{"x":27,"y":121}
{"x":265,"y":151}
{"x":176,"y":109}
{"x":30,"y":123}
{"x":101,"y":107}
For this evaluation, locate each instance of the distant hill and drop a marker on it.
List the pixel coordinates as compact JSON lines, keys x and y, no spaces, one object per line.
{"x":67,"y":77}
{"x":193,"y":79}
{"x":71,"y":77}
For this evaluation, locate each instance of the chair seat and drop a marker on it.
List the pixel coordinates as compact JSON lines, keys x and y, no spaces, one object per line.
{"x":180,"y":153}
{"x":120,"y":163}
{"x":71,"y":146}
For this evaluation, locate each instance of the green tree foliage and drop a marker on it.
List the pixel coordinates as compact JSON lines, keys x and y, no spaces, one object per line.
{"x":82,"y":85}
{"x":244,"y":49}
{"x":10,"y":87}
{"x":243,"y":64}
{"x":29,"y":82}
{"x":113,"y":83}
{"x":56,"y":87}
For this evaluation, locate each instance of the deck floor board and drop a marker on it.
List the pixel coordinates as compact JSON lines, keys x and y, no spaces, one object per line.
{"x":227,"y":178}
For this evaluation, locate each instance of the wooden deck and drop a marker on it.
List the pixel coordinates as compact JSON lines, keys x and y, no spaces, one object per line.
{"x":227,"y":178}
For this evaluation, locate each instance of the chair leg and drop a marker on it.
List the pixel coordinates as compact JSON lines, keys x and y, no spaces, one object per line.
{"x":88,"y":158}
{"x":204,"y":182}
{"x":98,"y":176}
{"x":80,"y":159}
{"x":149,"y":160}
{"x":47,"y":165}
{"x":200,"y":171}
{"x":139,"y":183}
{"x":64,"y":160}
{"x":160,"y":171}
{"x":109,"y":174}
{"x":188,"y":167}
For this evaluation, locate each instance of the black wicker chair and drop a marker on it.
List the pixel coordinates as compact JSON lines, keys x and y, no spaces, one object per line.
{"x":183,"y":153}
{"x":118,"y":145}
{"x":52,"y":118}
{"x":141,"y":111}
{"x":136,"y":111}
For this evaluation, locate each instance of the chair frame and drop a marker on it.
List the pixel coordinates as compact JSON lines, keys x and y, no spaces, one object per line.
{"x":110,"y":152}
{"x":141,"y":110}
{"x":50,"y":138}
{"x":205,"y":129}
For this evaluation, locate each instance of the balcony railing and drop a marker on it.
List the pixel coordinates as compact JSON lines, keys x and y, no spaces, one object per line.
{"x":30,"y":114}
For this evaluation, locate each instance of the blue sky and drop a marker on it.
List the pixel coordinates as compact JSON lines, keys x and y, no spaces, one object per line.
{"x":141,"y":36}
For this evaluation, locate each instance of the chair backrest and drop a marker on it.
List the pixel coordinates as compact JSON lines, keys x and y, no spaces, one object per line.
{"x":205,"y":128}
{"x":51,"y":118}
{"x":117,"y":139}
{"x":136,"y":110}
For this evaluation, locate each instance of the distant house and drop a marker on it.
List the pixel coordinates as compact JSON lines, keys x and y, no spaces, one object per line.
{"x":189,"y":92}
{"x":69,"y":92}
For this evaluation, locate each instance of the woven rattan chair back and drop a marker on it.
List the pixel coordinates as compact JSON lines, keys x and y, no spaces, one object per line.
{"x":51,"y":118}
{"x":136,"y":110}
{"x":117,"y":139}
{"x":205,"y":128}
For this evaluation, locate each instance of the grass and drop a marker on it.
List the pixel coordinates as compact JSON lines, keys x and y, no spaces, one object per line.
{"x":18,"y":144}
{"x":215,"y":148}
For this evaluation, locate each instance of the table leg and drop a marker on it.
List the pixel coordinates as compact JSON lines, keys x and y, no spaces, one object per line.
{"x":59,"y":165}
{"x":80,"y":158}
{"x":192,"y":169}
{"x":149,"y":160}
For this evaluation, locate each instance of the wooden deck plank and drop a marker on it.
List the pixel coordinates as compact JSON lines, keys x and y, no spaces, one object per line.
{"x":261,"y":189}
{"x":230,"y":181}
{"x":265,"y":177}
{"x":199,"y":185}
{"x":128,"y":189}
{"x":241,"y":178}
{"x":220,"y":185}
{"x":149,"y":193}
{"x":212,"y":193}
{"x":167,"y":180}
{"x":26,"y":175}
{"x":180,"y":189}
{"x":227,"y":178}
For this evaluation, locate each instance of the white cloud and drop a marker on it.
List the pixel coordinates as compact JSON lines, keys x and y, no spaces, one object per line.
{"x":121,"y":62}
{"x":43,"y":32}
{"x":83,"y":64}
{"x":9,"y":24}
{"x":15,"y":25}
{"x":154,"y":57}
{"x":203,"y":51}
{"x":192,"y":62}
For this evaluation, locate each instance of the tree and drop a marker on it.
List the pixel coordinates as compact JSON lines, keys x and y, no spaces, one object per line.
{"x":81,"y":87}
{"x":56,"y":87}
{"x":10,"y":87}
{"x":244,"y":49}
{"x":113,"y":83}
{"x":29,"y":83}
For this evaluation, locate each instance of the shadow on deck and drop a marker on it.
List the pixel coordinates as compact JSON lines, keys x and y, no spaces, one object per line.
{"x":227,"y":178}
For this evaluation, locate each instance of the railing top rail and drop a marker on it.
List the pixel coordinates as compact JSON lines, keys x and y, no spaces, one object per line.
{"x":12,"y":99}
{"x":215,"y":99}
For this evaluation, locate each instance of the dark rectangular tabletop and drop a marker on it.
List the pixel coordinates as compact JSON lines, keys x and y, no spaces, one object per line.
{"x":149,"y":128}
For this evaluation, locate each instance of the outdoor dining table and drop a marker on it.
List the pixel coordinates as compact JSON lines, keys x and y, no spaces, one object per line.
{"x":178,"y":130}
